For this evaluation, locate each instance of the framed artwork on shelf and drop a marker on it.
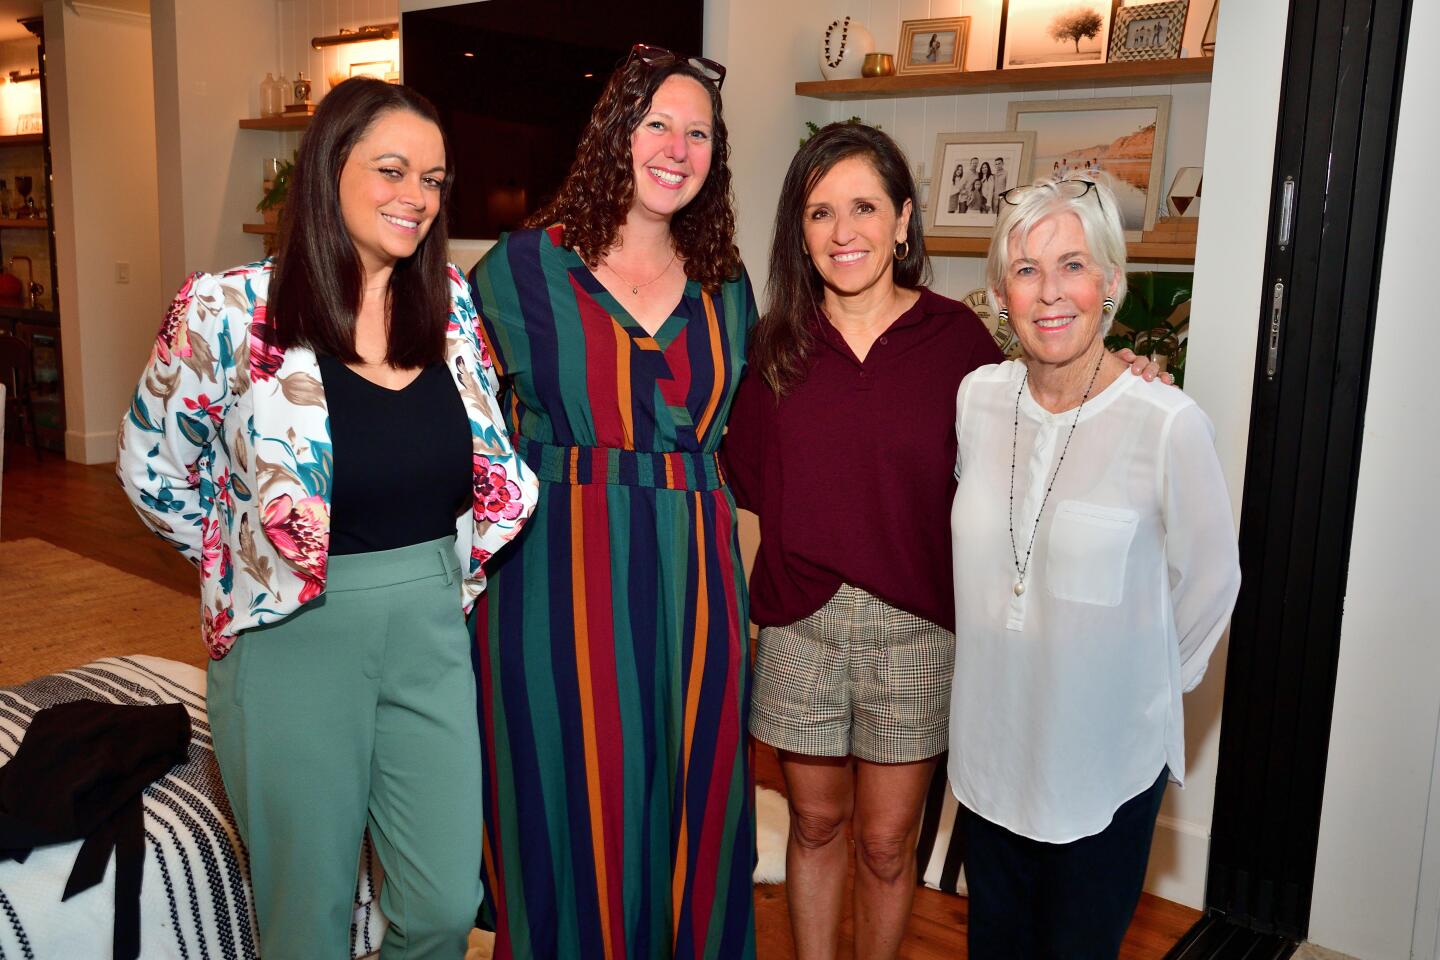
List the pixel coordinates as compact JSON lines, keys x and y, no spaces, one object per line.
{"x":1207,"y":42}
{"x":373,"y":68}
{"x":1053,"y":33}
{"x":1151,"y":31}
{"x":1119,"y":138}
{"x":933,"y":46}
{"x":971,"y":171}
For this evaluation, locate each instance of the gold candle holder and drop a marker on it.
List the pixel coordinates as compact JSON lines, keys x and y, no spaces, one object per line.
{"x":878,"y":65}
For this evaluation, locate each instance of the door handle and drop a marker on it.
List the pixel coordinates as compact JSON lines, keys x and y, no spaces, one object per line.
{"x":1277,"y":308}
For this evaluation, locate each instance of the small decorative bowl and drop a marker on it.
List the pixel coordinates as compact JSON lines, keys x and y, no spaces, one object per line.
{"x":878,"y":65}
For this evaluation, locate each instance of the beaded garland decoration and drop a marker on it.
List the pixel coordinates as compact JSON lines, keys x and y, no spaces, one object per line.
{"x":844,"y":38}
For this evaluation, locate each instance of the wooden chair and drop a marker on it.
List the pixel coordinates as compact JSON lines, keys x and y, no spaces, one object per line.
{"x":18,"y":376}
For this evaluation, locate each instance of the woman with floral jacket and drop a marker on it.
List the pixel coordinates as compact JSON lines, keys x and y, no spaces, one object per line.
{"x":319,"y":434}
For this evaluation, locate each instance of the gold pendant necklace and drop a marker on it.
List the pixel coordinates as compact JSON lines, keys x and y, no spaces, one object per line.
{"x":635,"y":287}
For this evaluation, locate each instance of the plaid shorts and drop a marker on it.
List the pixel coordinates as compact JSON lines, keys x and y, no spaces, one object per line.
{"x":857,"y":676}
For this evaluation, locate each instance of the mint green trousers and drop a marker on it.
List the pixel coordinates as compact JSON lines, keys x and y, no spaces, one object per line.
{"x":358,"y":709}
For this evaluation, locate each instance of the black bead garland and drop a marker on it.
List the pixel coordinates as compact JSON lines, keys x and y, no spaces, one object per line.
{"x":844,"y":38}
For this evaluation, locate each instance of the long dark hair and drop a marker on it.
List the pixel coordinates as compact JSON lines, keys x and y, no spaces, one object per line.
{"x":318,"y":282}
{"x":784,"y":336}
{"x":595,"y":198}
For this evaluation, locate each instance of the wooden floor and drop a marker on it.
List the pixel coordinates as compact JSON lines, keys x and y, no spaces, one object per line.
{"x":83,"y":510}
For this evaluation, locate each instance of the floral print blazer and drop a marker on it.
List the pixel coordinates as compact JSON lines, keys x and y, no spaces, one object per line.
{"x":225,"y":453}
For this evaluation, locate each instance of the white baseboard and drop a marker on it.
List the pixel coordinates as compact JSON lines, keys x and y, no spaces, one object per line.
{"x":90,"y":447}
{"x":1179,"y":856}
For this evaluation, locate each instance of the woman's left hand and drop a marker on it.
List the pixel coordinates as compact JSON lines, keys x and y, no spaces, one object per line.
{"x":1143,"y":366}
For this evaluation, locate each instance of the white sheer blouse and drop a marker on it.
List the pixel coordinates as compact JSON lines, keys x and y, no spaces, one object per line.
{"x":1067,"y":697}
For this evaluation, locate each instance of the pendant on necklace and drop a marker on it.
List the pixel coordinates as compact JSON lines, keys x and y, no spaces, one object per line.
{"x":635,"y":291}
{"x":1019,"y":587}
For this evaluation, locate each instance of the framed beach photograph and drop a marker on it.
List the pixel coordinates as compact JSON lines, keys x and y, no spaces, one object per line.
{"x":374,"y":68}
{"x":1052,"y":33}
{"x":1121,"y":138}
{"x":1151,"y":31}
{"x":933,"y":46}
{"x":971,"y":171}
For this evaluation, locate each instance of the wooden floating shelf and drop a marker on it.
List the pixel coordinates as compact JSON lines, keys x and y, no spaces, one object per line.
{"x":1119,"y":74}
{"x":282,"y":123}
{"x":21,"y":139}
{"x":1135,"y":251}
{"x":262,"y":229}
{"x":29,"y":224}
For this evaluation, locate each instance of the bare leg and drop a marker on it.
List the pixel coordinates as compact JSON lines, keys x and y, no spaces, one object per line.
{"x":888,"y":798}
{"x":821,"y":793}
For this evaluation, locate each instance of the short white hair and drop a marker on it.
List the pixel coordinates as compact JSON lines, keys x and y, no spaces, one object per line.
{"x":1099,"y":214}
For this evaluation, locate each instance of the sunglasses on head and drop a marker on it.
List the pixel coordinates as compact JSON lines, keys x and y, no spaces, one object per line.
{"x":653,"y":56}
{"x":1071,"y":189}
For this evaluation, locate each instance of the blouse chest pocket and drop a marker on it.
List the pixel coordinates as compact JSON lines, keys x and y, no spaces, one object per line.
{"x":1089,"y":547}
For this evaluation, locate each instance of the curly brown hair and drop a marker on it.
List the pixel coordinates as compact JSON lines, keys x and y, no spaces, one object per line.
{"x":595,"y":198}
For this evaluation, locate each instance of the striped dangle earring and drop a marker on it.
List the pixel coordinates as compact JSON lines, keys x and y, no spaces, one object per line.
{"x":1003,"y":316}
{"x":1108,"y":306}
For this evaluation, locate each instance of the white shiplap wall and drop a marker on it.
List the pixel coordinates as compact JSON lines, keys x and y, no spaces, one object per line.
{"x":299,"y":20}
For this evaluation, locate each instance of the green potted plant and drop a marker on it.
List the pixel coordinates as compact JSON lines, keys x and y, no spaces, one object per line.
{"x":1155,"y":319}
{"x":274,"y":197}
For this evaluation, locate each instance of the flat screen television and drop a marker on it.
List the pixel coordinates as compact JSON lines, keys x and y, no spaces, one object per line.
{"x":515,"y":80}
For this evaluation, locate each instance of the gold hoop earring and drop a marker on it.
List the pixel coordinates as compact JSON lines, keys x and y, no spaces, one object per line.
{"x":898,"y":254}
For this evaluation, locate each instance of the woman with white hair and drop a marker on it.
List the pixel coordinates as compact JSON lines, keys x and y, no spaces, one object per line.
{"x":1086,"y":607}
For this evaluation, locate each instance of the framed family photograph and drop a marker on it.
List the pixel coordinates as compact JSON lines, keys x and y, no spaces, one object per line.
{"x":933,"y":46}
{"x":1052,"y":33}
{"x":971,"y":171}
{"x":1151,"y":31}
{"x":1119,"y":138}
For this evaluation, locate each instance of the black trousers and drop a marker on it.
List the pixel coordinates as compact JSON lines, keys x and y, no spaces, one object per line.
{"x":1058,"y":901}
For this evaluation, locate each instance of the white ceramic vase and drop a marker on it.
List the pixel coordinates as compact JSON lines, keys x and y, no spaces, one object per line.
{"x":848,"y":44}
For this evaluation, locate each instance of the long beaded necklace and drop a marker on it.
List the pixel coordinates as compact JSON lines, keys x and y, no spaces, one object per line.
{"x":844,"y":38}
{"x":1022,"y":569}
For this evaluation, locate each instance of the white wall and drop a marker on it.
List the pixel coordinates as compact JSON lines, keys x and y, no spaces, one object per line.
{"x":210,"y":169}
{"x":102,"y":141}
{"x":1378,"y":780}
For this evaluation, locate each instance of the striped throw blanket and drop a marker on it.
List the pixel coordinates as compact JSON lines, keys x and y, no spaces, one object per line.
{"x":195,"y":899}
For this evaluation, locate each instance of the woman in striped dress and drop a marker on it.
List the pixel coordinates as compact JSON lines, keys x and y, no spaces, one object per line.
{"x":611,"y":648}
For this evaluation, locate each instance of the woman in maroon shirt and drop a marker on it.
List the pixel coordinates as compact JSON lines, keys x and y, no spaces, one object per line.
{"x":842,"y":440}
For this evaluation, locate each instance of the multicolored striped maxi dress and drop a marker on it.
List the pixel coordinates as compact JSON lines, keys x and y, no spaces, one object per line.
{"x":611,"y":644}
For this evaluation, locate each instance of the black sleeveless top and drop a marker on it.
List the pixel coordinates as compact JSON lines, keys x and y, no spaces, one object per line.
{"x":402,"y":459}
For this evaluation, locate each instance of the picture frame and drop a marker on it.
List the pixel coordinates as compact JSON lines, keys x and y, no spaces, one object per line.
{"x":373,"y":68}
{"x":1039,"y":33}
{"x":1207,"y":41}
{"x":963,"y":203}
{"x":936,"y":45}
{"x":1119,"y":138}
{"x":1150,"y":31}
{"x":29,"y":123}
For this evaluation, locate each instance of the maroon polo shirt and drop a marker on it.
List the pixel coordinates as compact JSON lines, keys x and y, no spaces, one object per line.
{"x":853,"y":471}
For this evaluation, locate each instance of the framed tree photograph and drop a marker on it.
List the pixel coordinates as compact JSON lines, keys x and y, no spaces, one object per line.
{"x":1121,"y":139}
{"x":1151,"y":31}
{"x":933,"y":46}
{"x":1053,"y":33}
{"x":971,"y":171}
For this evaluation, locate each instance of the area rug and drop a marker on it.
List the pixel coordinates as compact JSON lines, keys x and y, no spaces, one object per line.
{"x":59,"y":610}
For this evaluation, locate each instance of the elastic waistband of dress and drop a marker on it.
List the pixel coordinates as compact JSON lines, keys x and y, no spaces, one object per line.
{"x":629,"y":468}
